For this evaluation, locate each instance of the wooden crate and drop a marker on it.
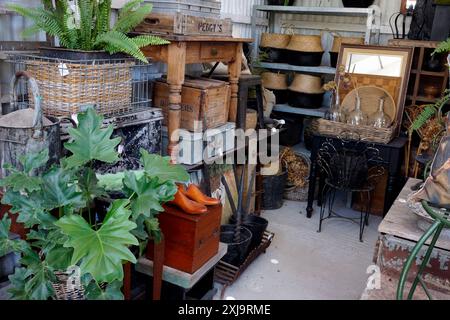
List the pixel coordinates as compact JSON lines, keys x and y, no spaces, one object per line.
{"x":190,"y":240}
{"x":198,"y":8}
{"x":203,"y":100}
{"x":183,"y":24}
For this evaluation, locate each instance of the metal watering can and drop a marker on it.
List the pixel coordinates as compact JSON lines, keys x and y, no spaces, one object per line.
{"x":16,"y":142}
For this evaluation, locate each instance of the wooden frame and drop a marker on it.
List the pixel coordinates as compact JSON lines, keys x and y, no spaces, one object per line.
{"x":405,"y":52}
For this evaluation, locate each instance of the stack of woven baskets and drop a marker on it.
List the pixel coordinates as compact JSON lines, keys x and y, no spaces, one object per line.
{"x":298,"y":167}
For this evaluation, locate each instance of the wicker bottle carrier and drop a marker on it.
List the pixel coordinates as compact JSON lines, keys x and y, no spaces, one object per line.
{"x":299,"y":193}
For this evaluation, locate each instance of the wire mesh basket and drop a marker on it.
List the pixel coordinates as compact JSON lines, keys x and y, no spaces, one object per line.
{"x":111,"y":86}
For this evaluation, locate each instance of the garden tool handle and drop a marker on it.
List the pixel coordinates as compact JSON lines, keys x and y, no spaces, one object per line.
{"x":37,"y":119}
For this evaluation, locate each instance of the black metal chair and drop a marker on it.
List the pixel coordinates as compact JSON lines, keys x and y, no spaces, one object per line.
{"x":349,"y":166}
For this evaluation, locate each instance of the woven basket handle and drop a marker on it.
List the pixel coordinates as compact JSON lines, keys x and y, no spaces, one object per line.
{"x":37,"y":119}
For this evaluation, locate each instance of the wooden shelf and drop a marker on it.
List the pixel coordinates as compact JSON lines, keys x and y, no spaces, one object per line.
{"x":289,"y":67}
{"x":422,"y":99}
{"x":320,"y":112}
{"x":337,"y":11}
{"x":430,"y":73}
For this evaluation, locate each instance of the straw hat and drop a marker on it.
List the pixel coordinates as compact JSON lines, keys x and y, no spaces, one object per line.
{"x":304,"y":83}
{"x":338,"y":41}
{"x":274,"y":81}
{"x":304,"y":43}
{"x":275,"y":40}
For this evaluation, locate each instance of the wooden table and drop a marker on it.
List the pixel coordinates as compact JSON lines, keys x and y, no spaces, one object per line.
{"x":189,"y":50}
{"x":182,"y":280}
{"x":391,"y":155}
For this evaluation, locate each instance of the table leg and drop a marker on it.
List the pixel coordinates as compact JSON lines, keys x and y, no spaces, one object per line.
{"x":127,"y":281}
{"x":175,"y":78}
{"x":234,"y":72}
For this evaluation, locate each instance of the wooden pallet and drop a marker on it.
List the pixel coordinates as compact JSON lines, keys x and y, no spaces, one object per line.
{"x":226,"y":274}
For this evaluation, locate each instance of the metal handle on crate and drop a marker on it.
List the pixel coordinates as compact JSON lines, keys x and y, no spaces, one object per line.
{"x":37,"y":119}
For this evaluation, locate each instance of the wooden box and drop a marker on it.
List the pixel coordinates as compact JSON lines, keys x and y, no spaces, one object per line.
{"x":187,"y":25}
{"x":204,"y":100}
{"x":190,"y":240}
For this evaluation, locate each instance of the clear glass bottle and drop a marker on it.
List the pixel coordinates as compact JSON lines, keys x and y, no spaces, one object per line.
{"x":380,"y":119}
{"x":334,"y":113}
{"x":357,"y":116}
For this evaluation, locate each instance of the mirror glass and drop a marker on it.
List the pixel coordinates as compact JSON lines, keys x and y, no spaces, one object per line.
{"x":382,"y":65}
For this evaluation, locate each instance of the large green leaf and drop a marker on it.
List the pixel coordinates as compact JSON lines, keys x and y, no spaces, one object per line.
{"x":149,"y":194}
{"x":111,"y":292}
{"x":102,"y":251}
{"x":59,"y":258}
{"x":90,"y":141}
{"x":29,"y":209}
{"x":88,"y":183}
{"x":18,"y":280}
{"x":159,"y":167}
{"x":59,"y":190}
{"x":33,"y":161}
{"x":6,"y":244}
{"x":39,"y":285}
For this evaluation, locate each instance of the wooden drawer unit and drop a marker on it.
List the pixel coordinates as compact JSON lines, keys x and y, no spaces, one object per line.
{"x":220,"y":51}
{"x":190,"y":240}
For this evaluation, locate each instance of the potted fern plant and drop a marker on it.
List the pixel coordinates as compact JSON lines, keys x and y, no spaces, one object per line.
{"x":74,"y":250}
{"x":90,"y":67}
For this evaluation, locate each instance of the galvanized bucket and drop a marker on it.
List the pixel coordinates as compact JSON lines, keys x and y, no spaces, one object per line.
{"x":16,"y":142}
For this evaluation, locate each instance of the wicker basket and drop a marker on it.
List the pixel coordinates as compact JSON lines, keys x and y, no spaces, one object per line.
{"x":275,"y":40}
{"x":366,"y":133}
{"x":299,"y":193}
{"x":64,"y":291}
{"x":67,"y":88}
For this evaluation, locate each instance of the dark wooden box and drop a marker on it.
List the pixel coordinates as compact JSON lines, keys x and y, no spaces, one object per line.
{"x":190,"y":240}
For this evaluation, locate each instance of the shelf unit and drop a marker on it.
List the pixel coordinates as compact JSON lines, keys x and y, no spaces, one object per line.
{"x":373,"y":25}
{"x":420,"y":76}
{"x":373,"y":15}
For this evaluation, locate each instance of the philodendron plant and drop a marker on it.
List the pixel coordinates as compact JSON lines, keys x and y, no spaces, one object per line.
{"x":66,"y":228}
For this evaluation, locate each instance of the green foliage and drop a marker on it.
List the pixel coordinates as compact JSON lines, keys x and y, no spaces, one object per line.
{"x":58,"y":205}
{"x":429,"y":112}
{"x":91,"y":29}
{"x":101,"y":251}
{"x":91,"y":142}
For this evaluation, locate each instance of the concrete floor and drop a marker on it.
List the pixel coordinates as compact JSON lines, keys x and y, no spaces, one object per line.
{"x":303,"y":264}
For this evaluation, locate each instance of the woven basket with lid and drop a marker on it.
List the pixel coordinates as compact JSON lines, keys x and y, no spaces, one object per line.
{"x":305,"y":43}
{"x":275,"y":40}
{"x":274,"y":81}
{"x":305,"y":83}
{"x":339,"y":40}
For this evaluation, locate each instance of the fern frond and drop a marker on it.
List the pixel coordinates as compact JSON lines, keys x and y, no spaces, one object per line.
{"x":443,"y":47}
{"x":114,"y":41}
{"x":103,"y":18}
{"x":86,"y":23}
{"x":148,"y":40}
{"x":422,"y":119}
{"x":131,"y":19}
{"x":42,"y":19}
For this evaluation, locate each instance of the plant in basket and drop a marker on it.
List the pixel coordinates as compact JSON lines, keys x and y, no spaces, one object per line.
{"x":75,"y":247}
{"x":96,"y":63}
{"x":86,"y":25}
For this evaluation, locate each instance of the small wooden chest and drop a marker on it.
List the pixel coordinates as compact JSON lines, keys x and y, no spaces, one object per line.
{"x":190,"y":240}
{"x":183,"y":24}
{"x":204,"y":100}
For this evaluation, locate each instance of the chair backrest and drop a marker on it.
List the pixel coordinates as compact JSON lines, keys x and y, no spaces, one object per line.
{"x":349,"y":164}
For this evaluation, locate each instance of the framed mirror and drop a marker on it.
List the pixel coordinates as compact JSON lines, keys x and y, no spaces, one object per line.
{"x":384,"y":69}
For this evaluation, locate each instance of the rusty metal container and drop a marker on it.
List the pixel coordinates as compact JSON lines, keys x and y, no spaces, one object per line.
{"x":16,"y":141}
